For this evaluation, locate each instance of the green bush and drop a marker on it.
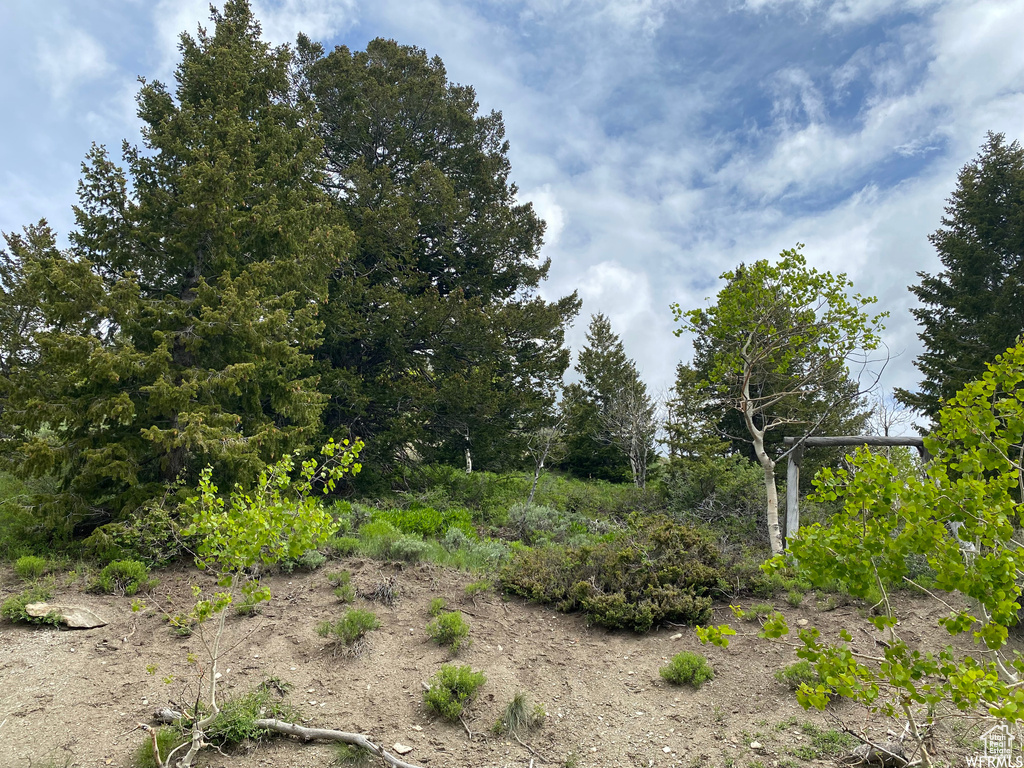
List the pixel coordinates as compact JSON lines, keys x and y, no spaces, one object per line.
{"x":376,"y":539}
{"x":342,"y":546}
{"x":124,"y":577}
{"x":235,"y":724}
{"x":656,"y":571}
{"x":798,"y":673}
{"x":724,"y":493}
{"x":28,"y":525}
{"x":425,"y":521}
{"x":477,"y":587}
{"x":152,"y":536}
{"x":451,"y":690}
{"x":437,"y":606}
{"x":532,"y":523}
{"x":342,"y":583}
{"x":309,"y":560}
{"x":13,"y":608}
{"x":350,"y":627}
{"x":166,"y":739}
{"x":687,"y":668}
{"x":409,"y":548}
{"x":31,"y":567}
{"x":450,"y":629}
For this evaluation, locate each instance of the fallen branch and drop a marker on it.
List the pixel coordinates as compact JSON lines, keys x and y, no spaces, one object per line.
{"x":328,"y":734}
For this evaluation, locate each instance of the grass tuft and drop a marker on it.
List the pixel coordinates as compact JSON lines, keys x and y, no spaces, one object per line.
{"x":688,"y":668}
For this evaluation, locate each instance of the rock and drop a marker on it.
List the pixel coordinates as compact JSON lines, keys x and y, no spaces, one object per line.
{"x":75,"y":616}
{"x":885,"y":754}
{"x":676,"y":636}
{"x":402,"y":749}
{"x":756,"y":746}
{"x":167,"y":715}
{"x":801,"y":622}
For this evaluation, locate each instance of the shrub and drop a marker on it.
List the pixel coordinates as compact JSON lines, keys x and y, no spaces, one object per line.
{"x":797,"y":674}
{"x":451,"y":690}
{"x":166,"y":738}
{"x":450,"y":629}
{"x":342,"y":546}
{"x":342,"y":583}
{"x":236,"y":722}
{"x":477,"y":587}
{"x":409,"y":548}
{"x":656,"y":571}
{"x":437,"y":606}
{"x":124,"y":577}
{"x":376,"y":539}
{"x":349,"y":628}
{"x":151,"y":537}
{"x":31,"y":567}
{"x":519,"y":717}
{"x":687,"y":668}
{"x":13,"y":608}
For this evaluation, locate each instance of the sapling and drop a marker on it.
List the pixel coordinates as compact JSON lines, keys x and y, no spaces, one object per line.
{"x":281,"y":517}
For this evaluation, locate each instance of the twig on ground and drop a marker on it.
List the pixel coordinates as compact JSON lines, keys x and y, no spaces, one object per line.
{"x":328,"y":734}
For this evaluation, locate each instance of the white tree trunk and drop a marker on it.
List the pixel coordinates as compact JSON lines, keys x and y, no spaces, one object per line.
{"x":771,"y":491}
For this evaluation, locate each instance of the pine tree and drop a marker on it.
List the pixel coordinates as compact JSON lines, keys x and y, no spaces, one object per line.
{"x":177,"y":330}
{"x":435,"y":336}
{"x":973,"y":310}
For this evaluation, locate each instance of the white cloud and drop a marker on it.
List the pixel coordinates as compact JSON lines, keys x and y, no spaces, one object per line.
{"x":546,"y":206}
{"x":68,"y":58}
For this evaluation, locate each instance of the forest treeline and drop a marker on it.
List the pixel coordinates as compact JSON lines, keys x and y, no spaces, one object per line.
{"x":310,"y":245}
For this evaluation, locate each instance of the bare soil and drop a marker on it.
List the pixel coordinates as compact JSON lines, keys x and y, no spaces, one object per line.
{"x":74,"y":697}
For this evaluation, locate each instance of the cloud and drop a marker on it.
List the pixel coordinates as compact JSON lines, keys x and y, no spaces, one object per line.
{"x":67,"y":58}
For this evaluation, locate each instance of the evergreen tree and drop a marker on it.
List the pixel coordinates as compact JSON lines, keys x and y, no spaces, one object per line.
{"x":609,"y":381}
{"x":973,"y":310}
{"x":435,"y":336}
{"x":176,"y":331}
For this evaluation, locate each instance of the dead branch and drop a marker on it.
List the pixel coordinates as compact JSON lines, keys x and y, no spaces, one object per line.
{"x":329,"y":734}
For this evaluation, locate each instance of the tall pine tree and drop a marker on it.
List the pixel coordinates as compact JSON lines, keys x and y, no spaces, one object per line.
{"x":177,"y":330}
{"x":435,"y":336}
{"x":973,"y":310}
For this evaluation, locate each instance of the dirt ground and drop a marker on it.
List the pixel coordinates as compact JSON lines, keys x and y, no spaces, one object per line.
{"x":74,"y":697}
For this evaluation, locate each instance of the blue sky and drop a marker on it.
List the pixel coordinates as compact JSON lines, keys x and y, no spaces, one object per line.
{"x":663,"y":142}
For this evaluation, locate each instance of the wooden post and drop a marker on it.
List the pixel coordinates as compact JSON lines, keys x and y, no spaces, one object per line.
{"x":793,"y":491}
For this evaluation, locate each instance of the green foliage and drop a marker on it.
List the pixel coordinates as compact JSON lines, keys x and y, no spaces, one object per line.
{"x":342,"y":546}
{"x":350,"y":628}
{"x":342,"y":583}
{"x":437,"y":606}
{"x":309,"y":560}
{"x":426,"y":521}
{"x":450,"y":629}
{"x":25,"y":527}
{"x":656,"y":571}
{"x":797,"y":674}
{"x":964,"y":308}
{"x":349,"y":754}
{"x":13,"y":608}
{"x":687,"y":668}
{"x":724,"y":494}
{"x":176,"y":333}
{"x":152,"y":536}
{"x":235,"y":723}
{"x":534,"y":523}
{"x":166,"y":738}
{"x":475,"y":588}
{"x":519,"y":718}
{"x":462,"y":356}
{"x":124,"y":577}
{"x":774,"y":349}
{"x":824,"y":743}
{"x":451,"y":690}
{"x":30,"y":567}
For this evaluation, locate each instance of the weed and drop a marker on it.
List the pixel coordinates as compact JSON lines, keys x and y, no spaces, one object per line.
{"x":718,"y":714}
{"x":519,"y":717}
{"x":754,"y":612}
{"x":31,"y":567}
{"x":13,"y":608}
{"x":450,"y":629}
{"x":348,"y":754}
{"x":451,"y":690}
{"x":795,"y":597}
{"x":342,"y":546}
{"x":342,"y":583}
{"x":437,"y":606}
{"x":824,"y":743}
{"x":409,"y":548}
{"x":166,"y":740}
{"x":349,"y":628}
{"x":798,"y":673}
{"x":309,"y":560}
{"x":385,"y":591}
{"x":572,"y":760}
{"x":477,"y":587}
{"x":124,"y":577}
{"x":236,"y":722}
{"x":687,"y":668}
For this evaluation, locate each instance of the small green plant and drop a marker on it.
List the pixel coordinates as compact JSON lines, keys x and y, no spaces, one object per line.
{"x":350,"y":628}
{"x":477,"y":587}
{"x":124,"y":577}
{"x":252,"y":598}
{"x":235,"y":723}
{"x":348,"y":754}
{"x":438,"y":606}
{"x":342,"y":546}
{"x":167,"y":739}
{"x":795,"y":598}
{"x":13,"y":608}
{"x":687,"y":668}
{"x":797,"y":674}
{"x":450,"y":629}
{"x":31,"y":567}
{"x":519,"y":717}
{"x":451,"y":690}
{"x":342,"y":583}
{"x":827,"y":742}
{"x":754,"y":612}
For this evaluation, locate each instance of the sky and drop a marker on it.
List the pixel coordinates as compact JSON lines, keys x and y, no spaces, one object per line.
{"x":662,"y":142}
